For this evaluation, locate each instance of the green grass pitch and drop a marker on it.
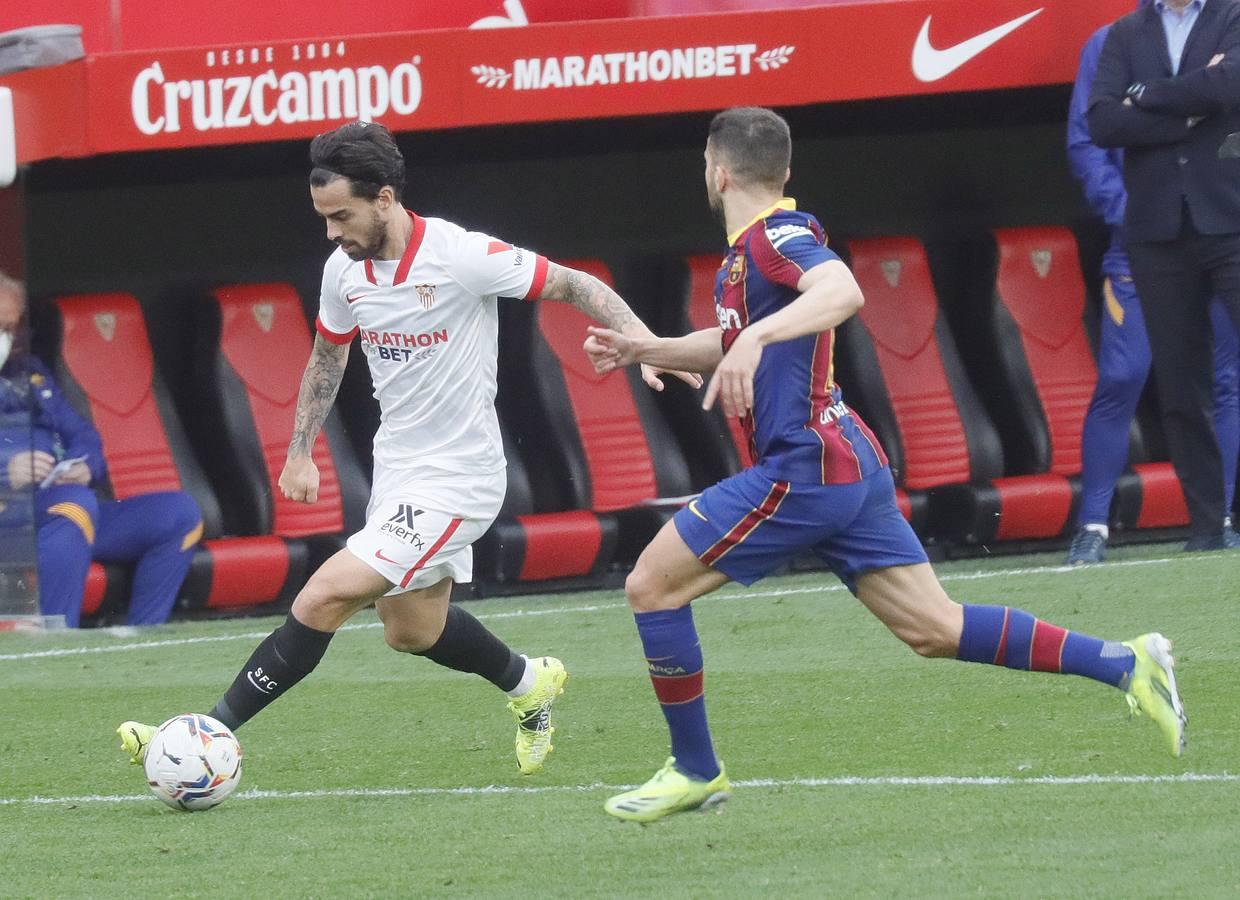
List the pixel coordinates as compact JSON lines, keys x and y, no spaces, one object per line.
{"x":861,"y":769}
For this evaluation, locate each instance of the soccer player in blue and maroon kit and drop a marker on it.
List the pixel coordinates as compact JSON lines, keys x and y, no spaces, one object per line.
{"x":821,"y":482}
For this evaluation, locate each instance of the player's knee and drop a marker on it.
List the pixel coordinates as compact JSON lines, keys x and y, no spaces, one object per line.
{"x":75,"y":495}
{"x":643,"y":590}
{"x":405,"y":639}
{"x":322,"y":599}
{"x":72,"y":517}
{"x":183,"y":512}
{"x":928,"y":643}
{"x":931,"y":636}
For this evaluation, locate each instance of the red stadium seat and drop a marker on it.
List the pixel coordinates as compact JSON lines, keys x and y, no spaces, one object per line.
{"x":901,"y":371}
{"x":1040,"y":373}
{"x":1064,"y":371}
{"x":105,"y":366}
{"x":1040,"y":329}
{"x":254,"y":340}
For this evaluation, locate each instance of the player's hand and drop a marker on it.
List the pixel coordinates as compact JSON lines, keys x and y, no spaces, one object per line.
{"x":29,"y":467}
{"x":650,"y":375}
{"x":732,"y":382}
{"x":78,"y":473}
{"x":608,"y":350}
{"x":300,"y":479}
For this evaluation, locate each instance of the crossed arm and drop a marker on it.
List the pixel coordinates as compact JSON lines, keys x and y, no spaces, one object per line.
{"x":1200,"y":92}
{"x":1162,"y":111}
{"x":1113,"y":120}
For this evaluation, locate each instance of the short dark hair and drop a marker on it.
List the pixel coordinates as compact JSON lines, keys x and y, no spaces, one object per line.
{"x":755,"y":142}
{"x":363,"y":152}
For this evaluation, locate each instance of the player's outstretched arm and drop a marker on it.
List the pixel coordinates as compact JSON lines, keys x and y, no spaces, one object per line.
{"x":605,"y":306}
{"x":300,"y":478}
{"x":592,"y":297}
{"x":829,"y":296}
{"x":699,"y":351}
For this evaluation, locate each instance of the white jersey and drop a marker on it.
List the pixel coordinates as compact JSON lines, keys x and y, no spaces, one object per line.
{"x":430,"y":330}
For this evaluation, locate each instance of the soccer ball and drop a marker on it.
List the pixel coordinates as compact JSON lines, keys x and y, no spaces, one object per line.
{"x":193,"y":762}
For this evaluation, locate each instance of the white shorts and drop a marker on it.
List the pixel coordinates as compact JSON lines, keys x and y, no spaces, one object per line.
{"x":419,"y":527}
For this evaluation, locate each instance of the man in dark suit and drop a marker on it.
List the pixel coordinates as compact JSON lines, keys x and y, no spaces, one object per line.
{"x":1168,"y":91}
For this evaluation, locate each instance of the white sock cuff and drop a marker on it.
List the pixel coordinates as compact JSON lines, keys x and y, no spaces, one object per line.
{"x":528,"y":677}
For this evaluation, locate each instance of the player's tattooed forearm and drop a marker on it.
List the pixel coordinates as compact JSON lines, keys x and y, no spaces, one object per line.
{"x":318,"y":391}
{"x":592,"y":297}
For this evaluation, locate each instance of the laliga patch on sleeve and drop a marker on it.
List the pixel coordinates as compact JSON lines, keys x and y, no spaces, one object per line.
{"x":783,"y":233}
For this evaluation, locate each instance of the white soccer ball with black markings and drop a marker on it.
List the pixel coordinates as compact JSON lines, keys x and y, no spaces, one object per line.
{"x":193,"y":762}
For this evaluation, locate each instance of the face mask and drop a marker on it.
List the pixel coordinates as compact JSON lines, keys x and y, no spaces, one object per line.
{"x":6,"y":344}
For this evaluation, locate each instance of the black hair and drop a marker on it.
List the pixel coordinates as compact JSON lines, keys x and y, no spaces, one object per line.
{"x":755,"y":142}
{"x":363,"y":152}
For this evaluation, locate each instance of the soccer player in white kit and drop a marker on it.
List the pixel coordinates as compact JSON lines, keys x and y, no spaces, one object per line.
{"x":421,"y":295}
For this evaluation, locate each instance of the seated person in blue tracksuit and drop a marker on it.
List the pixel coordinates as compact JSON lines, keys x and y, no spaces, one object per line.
{"x":38,"y":428}
{"x":1123,"y":346}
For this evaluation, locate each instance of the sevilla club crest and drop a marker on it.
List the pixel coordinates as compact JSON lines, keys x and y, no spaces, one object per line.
{"x":105,"y":324}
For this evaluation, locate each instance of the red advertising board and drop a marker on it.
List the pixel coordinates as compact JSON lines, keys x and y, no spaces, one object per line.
{"x":263,"y":91}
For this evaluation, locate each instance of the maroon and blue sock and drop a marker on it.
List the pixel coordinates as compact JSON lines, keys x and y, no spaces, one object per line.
{"x":1003,"y":636}
{"x":674,"y":656}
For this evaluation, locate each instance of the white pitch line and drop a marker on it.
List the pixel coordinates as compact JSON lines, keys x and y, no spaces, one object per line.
{"x":930,"y":781}
{"x":597,"y":607}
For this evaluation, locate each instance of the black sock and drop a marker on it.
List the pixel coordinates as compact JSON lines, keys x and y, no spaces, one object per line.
{"x":467,"y":646}
{"x":285,"y":657}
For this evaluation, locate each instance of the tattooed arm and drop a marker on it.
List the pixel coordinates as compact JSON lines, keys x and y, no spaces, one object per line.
{"x":300,"y":478}
{"x":605,"y":306}
{"x":592,"y":297}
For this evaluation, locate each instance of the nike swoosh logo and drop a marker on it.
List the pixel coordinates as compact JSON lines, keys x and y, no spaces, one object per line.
{"x":932,"y":64}
{"x":355,"y":299}
{"x":693,"y":509}
{"x":379,"y":555}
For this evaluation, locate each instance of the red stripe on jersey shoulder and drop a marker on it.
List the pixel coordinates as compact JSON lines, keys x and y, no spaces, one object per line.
{"x":497,"y":247}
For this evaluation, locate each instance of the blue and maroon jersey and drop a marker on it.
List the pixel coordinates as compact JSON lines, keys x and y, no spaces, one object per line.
{"x":799,"y":426}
